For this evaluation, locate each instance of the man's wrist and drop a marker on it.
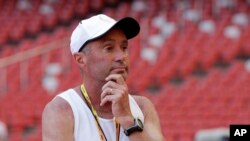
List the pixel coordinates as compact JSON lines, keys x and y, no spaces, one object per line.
{"x":126,"y":122}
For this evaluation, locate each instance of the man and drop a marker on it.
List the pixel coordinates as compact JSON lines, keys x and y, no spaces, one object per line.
{"x":100,"y":109}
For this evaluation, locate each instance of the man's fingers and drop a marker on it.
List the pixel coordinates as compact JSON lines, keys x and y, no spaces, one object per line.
{"x":108,"y":96}
{"x":114,"y":89}
{"x":107,"y":91}
{"x":106,"y":99}
{"x":109,"y":84}
{"x":116,"y":77}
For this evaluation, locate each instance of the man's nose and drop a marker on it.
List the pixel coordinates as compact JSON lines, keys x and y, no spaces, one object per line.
{"x":120,"y":55}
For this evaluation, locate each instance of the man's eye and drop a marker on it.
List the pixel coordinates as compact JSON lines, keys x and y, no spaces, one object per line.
{"x":108,"y":48}
{"x":125,"y":48}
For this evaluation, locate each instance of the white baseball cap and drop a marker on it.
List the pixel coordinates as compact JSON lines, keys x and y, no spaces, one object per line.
{"x":96,"y":26}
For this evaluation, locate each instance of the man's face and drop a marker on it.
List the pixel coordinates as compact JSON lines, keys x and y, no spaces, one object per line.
{"x":108,"y":55}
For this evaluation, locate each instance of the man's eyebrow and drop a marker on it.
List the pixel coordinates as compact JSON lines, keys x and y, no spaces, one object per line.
{"x":125,"y":42}
{"x":107,"y":39}
{"x":110,"y":39}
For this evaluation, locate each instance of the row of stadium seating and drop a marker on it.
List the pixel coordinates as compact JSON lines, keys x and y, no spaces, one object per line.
{"x":20,"y":18}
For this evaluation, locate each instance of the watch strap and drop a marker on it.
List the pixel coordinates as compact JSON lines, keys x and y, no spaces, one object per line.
{"x":137,"y":127}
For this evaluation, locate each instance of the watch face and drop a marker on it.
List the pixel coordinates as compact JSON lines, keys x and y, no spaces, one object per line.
{"x":140,"y":124}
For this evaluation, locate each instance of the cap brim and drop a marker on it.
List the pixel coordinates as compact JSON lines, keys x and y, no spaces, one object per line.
{"x":129,"y":26}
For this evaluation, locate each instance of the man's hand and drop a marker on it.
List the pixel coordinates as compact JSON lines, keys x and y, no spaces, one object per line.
{"x":116,"y":92}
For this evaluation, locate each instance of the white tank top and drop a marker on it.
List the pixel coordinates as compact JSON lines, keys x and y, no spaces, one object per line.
{"x":85,"y":125}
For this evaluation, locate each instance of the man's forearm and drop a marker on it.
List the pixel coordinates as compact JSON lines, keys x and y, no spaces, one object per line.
{"x":146,"y":136}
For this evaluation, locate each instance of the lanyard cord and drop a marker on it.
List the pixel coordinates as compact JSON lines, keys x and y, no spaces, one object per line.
{"x":94,"y":113}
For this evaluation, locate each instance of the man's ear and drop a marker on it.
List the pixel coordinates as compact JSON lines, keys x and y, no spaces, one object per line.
{"x":80,"y":59}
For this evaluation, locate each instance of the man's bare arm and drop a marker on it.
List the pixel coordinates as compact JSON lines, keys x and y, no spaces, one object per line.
{"x":152,"y":129}
{"x":57,"y":121}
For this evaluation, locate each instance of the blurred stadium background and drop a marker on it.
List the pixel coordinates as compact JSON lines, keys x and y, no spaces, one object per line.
{"x":191,"y":59}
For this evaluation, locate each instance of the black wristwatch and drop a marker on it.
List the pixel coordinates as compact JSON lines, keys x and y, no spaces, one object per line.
{"x":137,"y":127}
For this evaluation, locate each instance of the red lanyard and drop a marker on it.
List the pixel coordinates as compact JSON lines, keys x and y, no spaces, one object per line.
{"x":94,"y":113}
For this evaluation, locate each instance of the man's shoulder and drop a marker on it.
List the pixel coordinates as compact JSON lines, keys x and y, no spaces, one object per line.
{"x":140,"y":98}
{"x":58,"y":105}
{"x":142,"y":101}
{"x":59,"y":101}
{"x":57,"y":113}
